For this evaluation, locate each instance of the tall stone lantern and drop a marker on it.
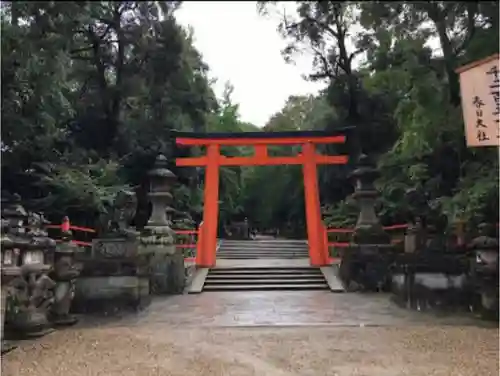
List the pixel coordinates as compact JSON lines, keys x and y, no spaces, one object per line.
{"x":9,"y":269}
{"x":365,"y":262}
{"x":161,"y":181}
{"x":167,"y":263}
{"x":29,"y":294}
{"x":64,"y":274}
{"x":368,"y":229}
{"x":484,"y":269}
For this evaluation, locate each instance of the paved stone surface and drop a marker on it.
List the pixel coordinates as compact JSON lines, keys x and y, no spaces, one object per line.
{"x":282,"y":308}
{"x":265,"y":333}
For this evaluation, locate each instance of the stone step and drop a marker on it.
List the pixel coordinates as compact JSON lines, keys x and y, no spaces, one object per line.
{"x":274,"y":241}
{"x":263,"y":250}
{"x":254,"y":254}
{"x":260,"y":257}
{"x":269,"y":243}
{"x":273,"y":256}
{"x":263,"y":281}
{"x":258,"y":287}
{"x":267,"y":249}
{"x":265,"y":278}
{"x":256,"y":249}
{"x":253,"y":276}
{"x":265,"y":270}
{"x":263,"y":246}
{"x":253,"y":257}
{"x":246,"y":248}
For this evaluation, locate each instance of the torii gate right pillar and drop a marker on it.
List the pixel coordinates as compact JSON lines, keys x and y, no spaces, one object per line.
{"x":313,"y":210}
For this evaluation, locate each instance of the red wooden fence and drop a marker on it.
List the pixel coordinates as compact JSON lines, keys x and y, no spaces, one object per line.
{"x":344,"y":244}
{"x":193,"y":236}
{"x":66,"y":225}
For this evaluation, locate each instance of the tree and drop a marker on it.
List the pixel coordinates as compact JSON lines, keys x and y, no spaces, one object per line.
{"x":404,"y":98}
{"x":122,"y":71}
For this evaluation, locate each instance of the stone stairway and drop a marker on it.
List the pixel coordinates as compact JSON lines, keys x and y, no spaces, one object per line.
{"x":265,"y":278}
{"x":261,"y":249}
{"x":272,"y":265}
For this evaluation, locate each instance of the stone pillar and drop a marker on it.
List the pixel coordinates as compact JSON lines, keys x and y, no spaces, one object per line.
{"x":414,"y":237}
{"x":460,"y":232}
{"x":64,"y":274}
{"x":167,"y":263}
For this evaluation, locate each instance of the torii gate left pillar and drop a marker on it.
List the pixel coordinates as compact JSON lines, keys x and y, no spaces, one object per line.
{"x":210,"y":208}
{"x":213,"y":160}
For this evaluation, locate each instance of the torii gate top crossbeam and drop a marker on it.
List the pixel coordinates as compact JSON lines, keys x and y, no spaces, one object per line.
{"x":260,"y":141}
{"x":258,"y":138}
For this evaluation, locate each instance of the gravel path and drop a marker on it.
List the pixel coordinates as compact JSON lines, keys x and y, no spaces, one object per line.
{"x":314,"y":351}
{"x":264,"y":334}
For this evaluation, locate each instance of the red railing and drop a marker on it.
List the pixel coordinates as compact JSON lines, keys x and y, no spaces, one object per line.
{"x":66,"y":226}
{"x":397,"y":238}
{"x":327,"y":244}
{"x":189,"y":238}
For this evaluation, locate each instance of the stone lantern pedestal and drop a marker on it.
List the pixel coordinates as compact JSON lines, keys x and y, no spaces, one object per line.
{"x":115,"y":273}
{"x":167,"y":263}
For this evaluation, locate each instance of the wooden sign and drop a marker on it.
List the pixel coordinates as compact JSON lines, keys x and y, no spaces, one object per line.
{"x":480,"y":91}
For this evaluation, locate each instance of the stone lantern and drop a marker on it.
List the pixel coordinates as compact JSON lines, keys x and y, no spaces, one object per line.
{"x":161,"y":181}
{"x":365,"y":262}
{"x":484,"y":267}
{"x":368,"y":229}
{"x":167,"y":263}
{"x":30,"y":292}
{"x":9,"y":270}
{"x":64,"y":274}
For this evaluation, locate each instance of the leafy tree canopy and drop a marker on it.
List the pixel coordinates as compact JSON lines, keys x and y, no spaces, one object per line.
{"x":92,"y":90}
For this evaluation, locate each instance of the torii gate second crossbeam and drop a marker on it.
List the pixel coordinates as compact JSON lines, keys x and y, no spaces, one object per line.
{"x":213,"y":160}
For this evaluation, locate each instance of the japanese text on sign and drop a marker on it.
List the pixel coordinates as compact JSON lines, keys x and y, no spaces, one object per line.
{"x":495,"y":91}
{"x":481,"y":134}
{"x":480,"y":89}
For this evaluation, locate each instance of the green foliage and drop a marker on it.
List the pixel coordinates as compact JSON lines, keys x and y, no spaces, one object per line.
{"x":403,"y":99}
{"x":89,"y":87}
{"x":92,"y":90}
{"x":80,"y":187}
{"x":341,"y":215}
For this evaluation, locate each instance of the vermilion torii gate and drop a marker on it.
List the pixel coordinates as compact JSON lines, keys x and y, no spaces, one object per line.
{"x":213,"y":160}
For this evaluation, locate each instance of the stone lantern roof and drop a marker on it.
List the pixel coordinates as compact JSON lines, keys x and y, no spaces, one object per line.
{"x":160,"y":169}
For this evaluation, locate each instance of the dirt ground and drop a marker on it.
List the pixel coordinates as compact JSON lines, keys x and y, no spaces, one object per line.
{"x":264,"y":334}
{"x":314,"y":351}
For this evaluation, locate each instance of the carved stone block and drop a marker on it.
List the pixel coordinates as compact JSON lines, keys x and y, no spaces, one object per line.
{"x":117,"y":248}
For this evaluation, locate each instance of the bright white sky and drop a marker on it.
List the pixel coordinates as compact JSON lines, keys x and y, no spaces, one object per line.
{"x":244,"y":48}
